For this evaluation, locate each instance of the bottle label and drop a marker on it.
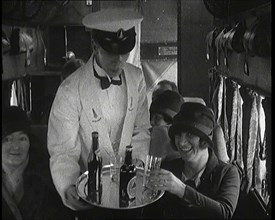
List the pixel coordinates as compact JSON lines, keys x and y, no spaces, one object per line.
{"x":131,"y":188}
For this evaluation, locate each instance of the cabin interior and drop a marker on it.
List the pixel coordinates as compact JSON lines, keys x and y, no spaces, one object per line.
{"x":185,"y":41}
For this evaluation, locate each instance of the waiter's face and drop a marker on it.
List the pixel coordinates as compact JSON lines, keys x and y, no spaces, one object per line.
{"x":111,"y":63}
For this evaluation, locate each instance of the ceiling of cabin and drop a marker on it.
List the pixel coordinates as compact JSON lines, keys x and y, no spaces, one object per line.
{"x":159,"y":23}
{"x":34,"y":12}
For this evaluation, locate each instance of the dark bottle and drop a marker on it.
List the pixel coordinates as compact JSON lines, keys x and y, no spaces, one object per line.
{"x":126,"y":184}
{"x":94,"y":175}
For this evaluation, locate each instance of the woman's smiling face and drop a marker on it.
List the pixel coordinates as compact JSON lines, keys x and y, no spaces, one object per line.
{"x":188,"y":145}
{"x":15,"y":148}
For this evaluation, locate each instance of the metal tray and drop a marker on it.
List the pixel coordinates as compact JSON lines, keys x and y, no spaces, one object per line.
{"x":109,"y":198}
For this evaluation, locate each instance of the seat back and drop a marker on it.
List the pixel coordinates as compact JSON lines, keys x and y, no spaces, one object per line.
{"x":40,"y":138}
{"x":251,"y":207}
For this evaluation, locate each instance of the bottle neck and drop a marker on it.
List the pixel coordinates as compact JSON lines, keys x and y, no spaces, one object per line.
{"x":128,"y":157}
{"x":95,"y":144}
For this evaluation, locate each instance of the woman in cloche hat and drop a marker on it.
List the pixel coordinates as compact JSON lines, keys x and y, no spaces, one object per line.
{"x":198,"y":185}
{"x":27,"y":190}
{"x":162,"y":110}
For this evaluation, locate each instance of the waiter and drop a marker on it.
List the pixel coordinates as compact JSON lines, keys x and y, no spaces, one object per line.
{"x":106,"y":95}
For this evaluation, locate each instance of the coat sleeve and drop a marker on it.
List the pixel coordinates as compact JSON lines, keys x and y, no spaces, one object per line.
{"x":62,"y":143}
{"x":141,"y":134}
{"x":223,"y":204}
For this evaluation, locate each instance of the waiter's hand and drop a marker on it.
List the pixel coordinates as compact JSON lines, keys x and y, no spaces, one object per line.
{"x":74,"y":200}
{"x":166,"y":180}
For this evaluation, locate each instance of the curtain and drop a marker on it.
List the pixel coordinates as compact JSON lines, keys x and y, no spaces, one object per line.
{"x":218,"y":104}
{"x":249,"y":130}
{"x":266,"y":103}
{"x":235,"y":115}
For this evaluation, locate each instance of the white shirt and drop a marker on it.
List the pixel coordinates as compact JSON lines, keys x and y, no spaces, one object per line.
{"x":196,"y":178}
{"x":113,"y":102}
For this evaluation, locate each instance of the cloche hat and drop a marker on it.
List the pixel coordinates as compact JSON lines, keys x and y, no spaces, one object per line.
{"x":14,"y":119}
{"x":167,"y":103}
{"x":194,"y":118}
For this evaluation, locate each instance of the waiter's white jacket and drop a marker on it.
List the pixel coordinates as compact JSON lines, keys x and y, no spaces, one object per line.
{"x":76,"y":113}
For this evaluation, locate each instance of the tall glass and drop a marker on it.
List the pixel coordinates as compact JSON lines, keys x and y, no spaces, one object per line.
{"x":144,"y":194}
{"x":115,"y":165}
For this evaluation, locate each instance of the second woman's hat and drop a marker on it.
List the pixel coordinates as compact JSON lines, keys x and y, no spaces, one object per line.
{"x":167,"y":103}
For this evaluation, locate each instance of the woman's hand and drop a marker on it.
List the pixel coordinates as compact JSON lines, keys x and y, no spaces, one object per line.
{"x":74,"y":200}
{"x":166,"y":180}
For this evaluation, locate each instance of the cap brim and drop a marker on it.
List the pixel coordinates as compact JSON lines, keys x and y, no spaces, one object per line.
{"x":118,"y":47}
{"x":120,"y":42}
{"x":168,"y":112}
{"x":180,"y":127}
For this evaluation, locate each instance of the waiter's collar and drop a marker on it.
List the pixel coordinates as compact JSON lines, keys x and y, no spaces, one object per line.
{"x":101,"y":72}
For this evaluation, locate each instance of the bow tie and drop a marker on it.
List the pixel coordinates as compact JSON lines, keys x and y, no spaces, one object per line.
{"x":105,"y":83}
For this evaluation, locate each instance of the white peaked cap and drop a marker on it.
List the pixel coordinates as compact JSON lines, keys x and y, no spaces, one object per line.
{"x":112,"y":20}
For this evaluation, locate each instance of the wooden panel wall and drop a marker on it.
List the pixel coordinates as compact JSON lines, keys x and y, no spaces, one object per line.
{"x":194,"y":23}
{"x":160,"y":21}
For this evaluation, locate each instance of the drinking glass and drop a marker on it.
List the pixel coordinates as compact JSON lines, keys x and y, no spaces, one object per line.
{"x":115,"y":165}
{"x":151,"y":163}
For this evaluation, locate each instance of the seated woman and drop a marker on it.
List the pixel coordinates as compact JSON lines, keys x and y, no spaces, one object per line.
{"x":162,"y":86}
{"x":164,"y":107}
{"x":197,"y":185}
{"x":27,"y":190}
{"x":162,"y":111}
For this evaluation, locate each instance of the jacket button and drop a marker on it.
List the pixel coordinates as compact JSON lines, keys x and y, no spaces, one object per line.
{"x":198,"y":202}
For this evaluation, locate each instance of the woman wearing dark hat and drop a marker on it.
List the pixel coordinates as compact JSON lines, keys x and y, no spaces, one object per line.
{"x":162,"y":110}
{"x":27,"y":190}
{"x":162,"y":86}
{"x":164,"y":107}
{"x":198,"y":185}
